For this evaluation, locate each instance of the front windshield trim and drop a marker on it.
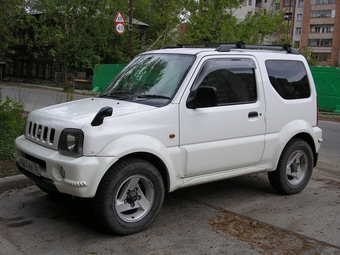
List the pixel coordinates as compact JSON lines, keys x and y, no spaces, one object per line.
{"x":155,"y":76}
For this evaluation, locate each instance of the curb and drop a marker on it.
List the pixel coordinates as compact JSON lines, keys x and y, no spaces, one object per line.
{"x":12,"y":182}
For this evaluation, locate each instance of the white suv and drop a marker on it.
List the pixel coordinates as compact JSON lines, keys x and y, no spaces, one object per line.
{"x":174,"y":118}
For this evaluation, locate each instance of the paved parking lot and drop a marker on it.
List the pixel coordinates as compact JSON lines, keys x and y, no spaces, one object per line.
{"x":238,"y":216}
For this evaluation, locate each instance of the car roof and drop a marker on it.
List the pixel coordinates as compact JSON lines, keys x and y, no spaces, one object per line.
{"x":227,"y":47}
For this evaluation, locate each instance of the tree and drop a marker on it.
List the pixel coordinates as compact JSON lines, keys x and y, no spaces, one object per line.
{"x":307,"y":53}
{"x":213,"y":21}
{"x":210,"y":21}
{"x":10,"y":20}
{"x":256,"y":27}
{"x":163,"y":18}
{"x":80,"y":32}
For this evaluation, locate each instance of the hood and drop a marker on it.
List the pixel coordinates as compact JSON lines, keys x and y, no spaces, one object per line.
{"x":81,"y":112}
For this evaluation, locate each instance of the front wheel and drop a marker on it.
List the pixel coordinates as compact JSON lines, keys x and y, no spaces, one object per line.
{"x":294,"y":169}
{"x":129,"y":197}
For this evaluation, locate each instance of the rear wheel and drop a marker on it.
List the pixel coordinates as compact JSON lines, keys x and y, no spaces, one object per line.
{"x":129,"y":197}
{"x":294,"y":169}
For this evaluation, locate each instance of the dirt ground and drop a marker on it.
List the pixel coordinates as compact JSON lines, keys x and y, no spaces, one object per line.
{"x":8,"y":168}
{"x":329,"y":117}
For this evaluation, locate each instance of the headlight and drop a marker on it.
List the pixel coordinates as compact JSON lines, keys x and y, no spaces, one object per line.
{"x":71,"y":142}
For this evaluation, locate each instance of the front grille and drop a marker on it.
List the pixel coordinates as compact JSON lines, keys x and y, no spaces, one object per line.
{"x":40,"y":133}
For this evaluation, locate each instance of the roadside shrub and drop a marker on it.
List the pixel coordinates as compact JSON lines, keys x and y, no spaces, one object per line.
{"x":11,"y":126}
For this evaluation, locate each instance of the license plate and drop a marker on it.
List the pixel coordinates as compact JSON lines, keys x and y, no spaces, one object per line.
{"x":29,"y":165}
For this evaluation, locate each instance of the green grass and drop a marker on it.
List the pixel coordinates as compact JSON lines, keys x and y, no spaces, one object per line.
{"x":11,"y":126}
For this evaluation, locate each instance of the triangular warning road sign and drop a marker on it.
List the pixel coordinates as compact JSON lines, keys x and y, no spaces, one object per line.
{"x":119,"y":18}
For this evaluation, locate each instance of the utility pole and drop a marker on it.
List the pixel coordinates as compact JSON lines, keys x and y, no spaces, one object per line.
{"x":289,"y":17}
{"x":130,"y":29}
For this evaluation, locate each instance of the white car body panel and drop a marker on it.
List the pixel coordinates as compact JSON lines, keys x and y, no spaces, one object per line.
{"x":194,"y":145}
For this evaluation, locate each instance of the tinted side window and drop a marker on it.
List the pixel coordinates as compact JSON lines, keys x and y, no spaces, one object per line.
{"x":234,"y":80}
{"x":288,"y":78}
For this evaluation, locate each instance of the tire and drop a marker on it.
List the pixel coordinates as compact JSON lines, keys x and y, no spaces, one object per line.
{"x":294,"y":169}
{"x":129,"y":197}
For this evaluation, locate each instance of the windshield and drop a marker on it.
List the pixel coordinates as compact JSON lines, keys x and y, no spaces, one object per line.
{"x":150,"y":79}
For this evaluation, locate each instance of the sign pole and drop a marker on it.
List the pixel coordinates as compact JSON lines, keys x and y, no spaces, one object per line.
{"x":130,"y":30}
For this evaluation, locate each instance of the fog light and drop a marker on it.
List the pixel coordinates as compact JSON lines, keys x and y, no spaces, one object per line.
{"x":62,"y":172}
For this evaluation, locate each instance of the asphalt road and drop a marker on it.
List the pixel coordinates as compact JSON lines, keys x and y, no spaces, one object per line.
{"x":242,"y":215}
{"x":330,"y":148}
{"x":34,"y":97}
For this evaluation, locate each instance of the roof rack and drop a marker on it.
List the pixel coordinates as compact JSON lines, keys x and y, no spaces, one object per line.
{"x":194,"y":45}
{"x":241,"y":45}
{"x":226,"y":47}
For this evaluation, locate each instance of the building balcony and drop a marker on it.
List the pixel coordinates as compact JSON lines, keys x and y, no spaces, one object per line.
{"x":315,"y":35}
{"x":321,"y":21}
{"x":320,"y":49}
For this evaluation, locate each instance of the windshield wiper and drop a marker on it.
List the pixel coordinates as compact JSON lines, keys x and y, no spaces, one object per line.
{"x":154,"y":96}
{"x":118,"y":94}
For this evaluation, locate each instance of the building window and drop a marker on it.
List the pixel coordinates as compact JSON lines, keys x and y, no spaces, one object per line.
{"x":316,"y":2}
{"x":47,"y":71}
{"x":40,"y":70}
{"x":300,"y":4}
{"x":322,"y":56}
{"x":250,"y":2}
{"x":11,"y":68}
{"x":322,"y":29}
{"x":34,"y":69}
{"x":298,"y":30}
{"x":296,"y":44}
{"x":288,"y":3}
{"x":320,"y":42}
{"x":24,"y":69}
{"x":321,"y":14}
{"x":19,"y":67}
{"x":299,"y":17}
{"x":277,"y":6}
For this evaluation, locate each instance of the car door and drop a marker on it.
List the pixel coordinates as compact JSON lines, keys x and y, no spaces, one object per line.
{"x":230,"y":135}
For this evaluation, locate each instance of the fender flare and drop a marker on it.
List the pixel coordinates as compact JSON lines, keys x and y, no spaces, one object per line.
{"x":136,"y":143}
{"x":296,"y":128}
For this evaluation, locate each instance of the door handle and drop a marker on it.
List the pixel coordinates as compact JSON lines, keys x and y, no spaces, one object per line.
{"x":253,"y":114}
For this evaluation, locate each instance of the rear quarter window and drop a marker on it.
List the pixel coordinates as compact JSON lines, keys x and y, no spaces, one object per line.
{"x":288,"y":78}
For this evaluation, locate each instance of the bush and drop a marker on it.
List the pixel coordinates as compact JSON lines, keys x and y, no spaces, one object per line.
{"x":11,"y":126}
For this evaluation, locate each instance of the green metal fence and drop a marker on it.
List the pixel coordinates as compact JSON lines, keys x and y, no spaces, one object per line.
{"x":327,"y":82}
{"x":103,"y":74}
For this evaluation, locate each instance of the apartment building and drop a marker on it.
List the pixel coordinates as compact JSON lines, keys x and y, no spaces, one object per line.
{"x":320,"y":30}
{"x":312,"y":23}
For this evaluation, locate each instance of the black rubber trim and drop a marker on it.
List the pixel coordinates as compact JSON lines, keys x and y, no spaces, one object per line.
{"x":42,"y":181}
{"x":316,"y":157}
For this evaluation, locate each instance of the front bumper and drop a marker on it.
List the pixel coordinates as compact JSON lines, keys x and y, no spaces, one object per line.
{"x":75,"y":176}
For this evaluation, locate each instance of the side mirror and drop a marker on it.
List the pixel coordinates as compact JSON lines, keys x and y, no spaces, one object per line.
{"x":204,"y":96}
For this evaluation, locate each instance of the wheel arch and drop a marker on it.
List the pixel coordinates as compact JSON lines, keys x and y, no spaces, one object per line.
{"x":148,"y":148}
{"x":308,"y":139}
{"x":156,"y":161}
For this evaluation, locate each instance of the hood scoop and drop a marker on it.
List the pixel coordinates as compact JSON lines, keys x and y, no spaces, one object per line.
{"x":101,"y":114}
